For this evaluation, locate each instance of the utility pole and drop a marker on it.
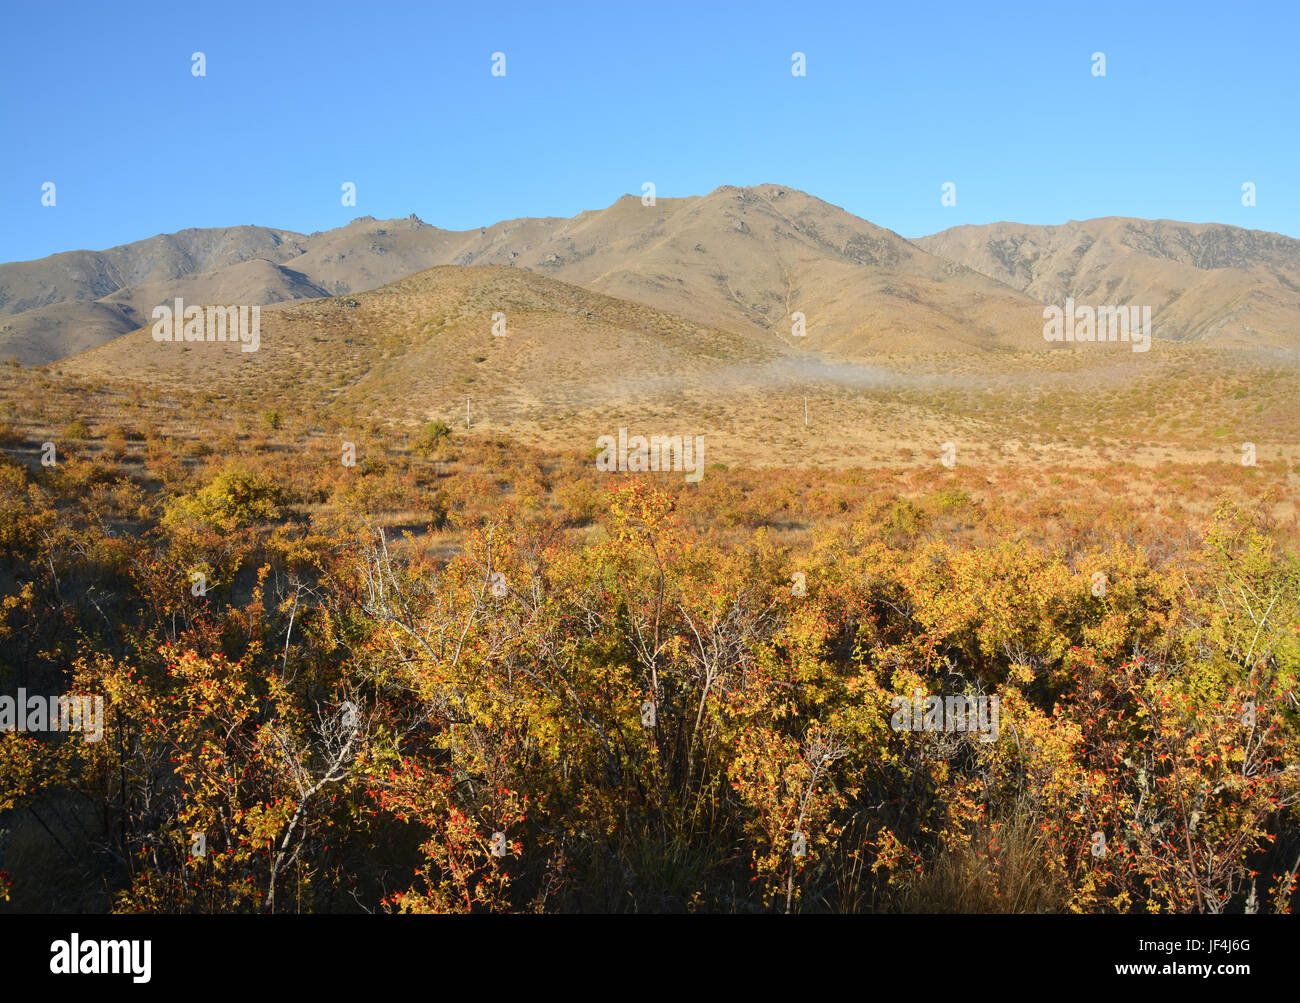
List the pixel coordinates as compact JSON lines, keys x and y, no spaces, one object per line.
{"x":805,"y":412}
{"x":467,"y":400}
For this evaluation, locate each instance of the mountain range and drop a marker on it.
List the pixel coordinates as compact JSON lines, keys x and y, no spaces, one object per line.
{"x":740,"y":260}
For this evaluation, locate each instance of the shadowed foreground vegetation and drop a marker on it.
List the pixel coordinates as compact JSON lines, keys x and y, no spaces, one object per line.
{"x":350,"y":679}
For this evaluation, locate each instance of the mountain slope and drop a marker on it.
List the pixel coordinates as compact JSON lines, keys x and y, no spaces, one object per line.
{"x":415,"y":347}
{"x":92,"y":275}
{"x":1203,"y":280}
{"x":748,"y":258}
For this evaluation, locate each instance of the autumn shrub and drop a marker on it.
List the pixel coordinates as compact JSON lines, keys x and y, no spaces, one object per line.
{"x":236,"y":497}
{"x":77,"y":429}
{"x":24,"y":510}
{"x":432,"y":438}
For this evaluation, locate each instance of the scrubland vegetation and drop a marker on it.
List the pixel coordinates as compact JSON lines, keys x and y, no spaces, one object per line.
{"x":390,"y":663}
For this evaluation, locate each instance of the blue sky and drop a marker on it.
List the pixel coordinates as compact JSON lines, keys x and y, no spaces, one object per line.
{"x":598,"y":98}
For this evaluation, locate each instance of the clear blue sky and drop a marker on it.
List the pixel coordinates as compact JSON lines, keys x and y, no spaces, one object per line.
{"x":597,"y":98}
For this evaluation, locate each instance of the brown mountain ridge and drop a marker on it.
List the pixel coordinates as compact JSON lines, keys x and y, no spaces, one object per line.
{"x":741,"y":259}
